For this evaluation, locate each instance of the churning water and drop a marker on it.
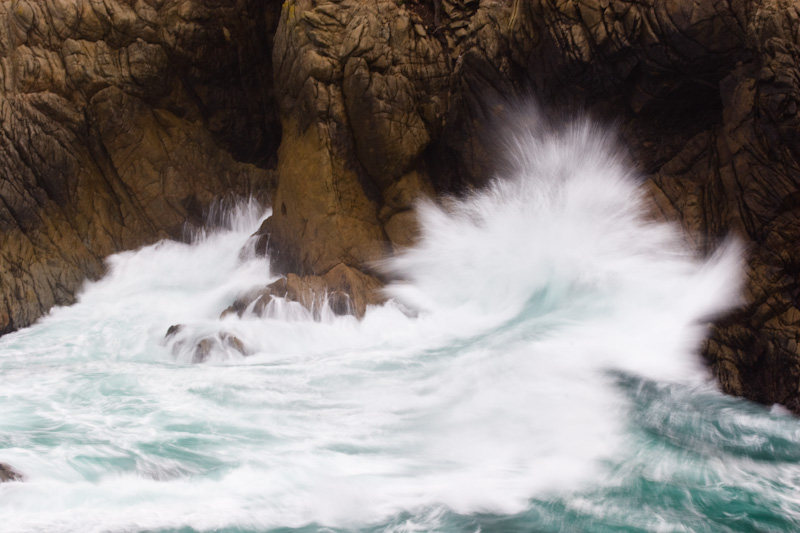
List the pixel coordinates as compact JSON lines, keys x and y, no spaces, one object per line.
{"x":535,"y":370}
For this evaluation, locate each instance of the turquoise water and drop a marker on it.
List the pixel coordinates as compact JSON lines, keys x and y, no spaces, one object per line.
{"x":535,"y":370}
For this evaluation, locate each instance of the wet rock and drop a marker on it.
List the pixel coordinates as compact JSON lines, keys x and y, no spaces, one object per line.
{"x":402,"y":230}
{"x":203,"y":349}
{"x":346,"y":290}
{"x":354,"y":287}
{"x":232,"y":341}
{"x":221,"y":342}
{"x":360,"y":95}
{"x":9,"y":474}
{"x":173,"y":330}
{"x":120,"y":122}
{"x":240,"y":305}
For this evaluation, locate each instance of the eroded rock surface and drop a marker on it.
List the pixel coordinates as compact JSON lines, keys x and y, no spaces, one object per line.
{"x":120,"y":121}
{"x":704,"y":94}
{"x":360,"y":94}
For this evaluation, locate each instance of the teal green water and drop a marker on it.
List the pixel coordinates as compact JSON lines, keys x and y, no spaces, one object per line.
{"x":700,"y":462}
{"x":126,"y":439}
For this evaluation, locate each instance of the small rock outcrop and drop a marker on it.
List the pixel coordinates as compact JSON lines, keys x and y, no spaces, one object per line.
{"x":201,"y":349}
{"x":361,"y":92}
{"x":9,"y":474}
{"x":343,"y":289}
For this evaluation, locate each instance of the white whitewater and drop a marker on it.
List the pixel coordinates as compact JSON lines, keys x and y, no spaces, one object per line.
{"x":489,"y":381}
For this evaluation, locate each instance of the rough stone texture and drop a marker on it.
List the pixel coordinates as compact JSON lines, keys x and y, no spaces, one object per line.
{"x":119,"y":122}
{"x":704,"y":94}
{"x":360,"y":94}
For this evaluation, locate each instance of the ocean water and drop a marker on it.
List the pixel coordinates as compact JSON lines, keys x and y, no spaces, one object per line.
{"x":536,"y":369}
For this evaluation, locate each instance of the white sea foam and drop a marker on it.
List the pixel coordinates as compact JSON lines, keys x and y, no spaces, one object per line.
{"x":495,"y":390}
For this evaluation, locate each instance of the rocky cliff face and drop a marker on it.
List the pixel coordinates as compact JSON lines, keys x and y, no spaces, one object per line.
{"x":119,"y":120}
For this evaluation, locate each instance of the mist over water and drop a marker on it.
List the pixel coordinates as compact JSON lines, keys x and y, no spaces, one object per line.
{"x":535,"y":370}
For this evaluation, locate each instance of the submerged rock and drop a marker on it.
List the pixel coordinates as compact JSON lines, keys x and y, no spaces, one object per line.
{"x":202,"y":349}
{"x":205,"y":347}
{"x":234,"y":342}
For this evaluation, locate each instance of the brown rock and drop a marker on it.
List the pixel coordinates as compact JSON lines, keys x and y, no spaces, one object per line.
{"x":203,"y":349}
{"x":173,"y":330}
{"x":346,"y":290}
{"x":402,"y":230}
{"x":360,"y":94}
{"x":119,"y":122}
{"x":361,"y":289}
{"x":389,"y":132}
{"x":232,"y":341}
{"x":321,"y":215}
{"x":404,"y":192}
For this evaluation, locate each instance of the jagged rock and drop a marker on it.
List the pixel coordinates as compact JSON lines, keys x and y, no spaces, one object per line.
{"x":403,"y":193}
{"x":206,"y":346}
{"x":202,"y":349}
{"x":346,"y":290}
{"x":119,"y":122}
{"x":9,"y":474}
{"x":232,"y":341}
{"x":173,"y":330}
{"x":360,"y":289}
{"x":321,"y":215}
{"x":239,"y":305}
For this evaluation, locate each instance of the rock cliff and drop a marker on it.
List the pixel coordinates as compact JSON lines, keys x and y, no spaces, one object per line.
{"x":120,"y":120}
